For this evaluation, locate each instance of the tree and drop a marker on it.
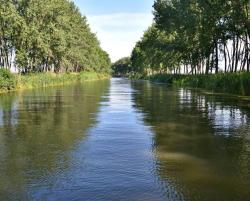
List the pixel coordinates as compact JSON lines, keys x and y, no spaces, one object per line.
{"x":48,"y":35}
{"x":121,"y":67}
{"x":195,"y":36}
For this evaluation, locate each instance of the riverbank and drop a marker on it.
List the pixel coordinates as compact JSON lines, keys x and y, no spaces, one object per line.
{"x":231,"y":83}
{"x":10,"y":82}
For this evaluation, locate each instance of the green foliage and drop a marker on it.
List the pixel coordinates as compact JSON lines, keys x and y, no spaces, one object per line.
{"x":191,"y":42}
{"x":195,"y":37}
{"x":48,"y":36}
{"x":235,"y":83}
{"x":154,"y":52}
{"x":51,"y":79}
{"x":7,"y":80}
{"x":122,"y":67}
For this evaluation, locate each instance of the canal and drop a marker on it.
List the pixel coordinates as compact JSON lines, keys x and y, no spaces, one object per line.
{"x":122,"y":140}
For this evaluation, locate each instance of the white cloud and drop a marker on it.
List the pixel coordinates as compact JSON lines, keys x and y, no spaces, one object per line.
{"x":119,"y":32}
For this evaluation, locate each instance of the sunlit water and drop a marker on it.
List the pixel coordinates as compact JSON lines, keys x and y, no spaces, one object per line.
{"x":121,"y":140}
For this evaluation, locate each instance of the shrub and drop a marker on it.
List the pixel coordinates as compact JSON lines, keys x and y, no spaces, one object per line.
{"x":7,"y":80}
{"x":234,"y":83}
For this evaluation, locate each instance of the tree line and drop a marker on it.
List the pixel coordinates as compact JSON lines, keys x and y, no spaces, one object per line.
{"x":195,"y":37}
{"x":48,"y":35}
{"x":122,"y":67}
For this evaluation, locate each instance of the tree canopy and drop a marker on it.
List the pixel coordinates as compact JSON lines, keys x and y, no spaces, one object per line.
{"x":48,"y":35}
{"x":195,"y":36}
{"x":122,"y":67}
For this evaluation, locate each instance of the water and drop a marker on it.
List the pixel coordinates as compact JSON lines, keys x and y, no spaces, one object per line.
{"x":123,"y":140}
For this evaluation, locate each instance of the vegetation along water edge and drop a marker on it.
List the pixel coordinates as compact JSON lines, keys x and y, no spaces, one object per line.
{"x":10,"y":81}
{"x":231,"y":83}
{"x":234,"y":83}
{"x":47,"y":43}
{"x":198,"y":44}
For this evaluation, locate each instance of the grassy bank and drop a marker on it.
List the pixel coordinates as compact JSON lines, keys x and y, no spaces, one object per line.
{"x":9,"y":81}
{"x":235,"y":83}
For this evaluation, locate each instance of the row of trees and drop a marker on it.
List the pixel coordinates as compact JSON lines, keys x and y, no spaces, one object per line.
{"x":122,"y":67}
{"x":48,"y":35}
{"x":196,"y":36}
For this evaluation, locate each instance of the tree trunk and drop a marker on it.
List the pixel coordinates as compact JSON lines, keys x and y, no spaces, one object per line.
{"x":216,"y":58}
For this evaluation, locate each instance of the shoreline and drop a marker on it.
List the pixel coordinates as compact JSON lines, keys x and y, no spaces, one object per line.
{"x":236,"y":85}
{"x":43,"y":80}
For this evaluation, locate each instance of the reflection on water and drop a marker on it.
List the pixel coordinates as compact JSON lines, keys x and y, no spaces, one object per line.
{"x":123,"y":140}
{"x":225,"y":118}
{"x":201,"y":142}
{"x":37,"y":131}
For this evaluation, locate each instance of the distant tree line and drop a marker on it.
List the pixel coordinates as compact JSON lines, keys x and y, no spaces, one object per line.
{"x":48,"y":35}
{"x":122,"y":67}
{"x":195,"y":37}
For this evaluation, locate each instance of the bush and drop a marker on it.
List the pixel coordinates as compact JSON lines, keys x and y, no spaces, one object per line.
{"x":7,"y":80}
{"x":234,"y":83}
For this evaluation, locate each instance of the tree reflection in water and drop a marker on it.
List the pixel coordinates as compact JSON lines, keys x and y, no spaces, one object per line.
{"x":38,"y":128}
{"x":201,"y":141}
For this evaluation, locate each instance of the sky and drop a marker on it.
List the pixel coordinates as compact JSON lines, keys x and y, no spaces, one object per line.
{"x":119,"y":24}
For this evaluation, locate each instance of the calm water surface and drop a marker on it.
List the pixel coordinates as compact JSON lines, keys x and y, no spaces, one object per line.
{"x":120,"y":140}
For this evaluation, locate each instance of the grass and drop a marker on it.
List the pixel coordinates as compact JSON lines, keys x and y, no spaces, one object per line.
{"x":9,"y":81}
{"x":232,"y":83}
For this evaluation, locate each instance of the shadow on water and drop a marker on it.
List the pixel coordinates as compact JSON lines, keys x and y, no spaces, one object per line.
{"x":38,"y":131}
{"x":201,"y":142}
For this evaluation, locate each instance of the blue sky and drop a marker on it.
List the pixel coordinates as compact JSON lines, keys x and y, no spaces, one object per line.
{"x":117,"y":23}
{"x":97,"y":7}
